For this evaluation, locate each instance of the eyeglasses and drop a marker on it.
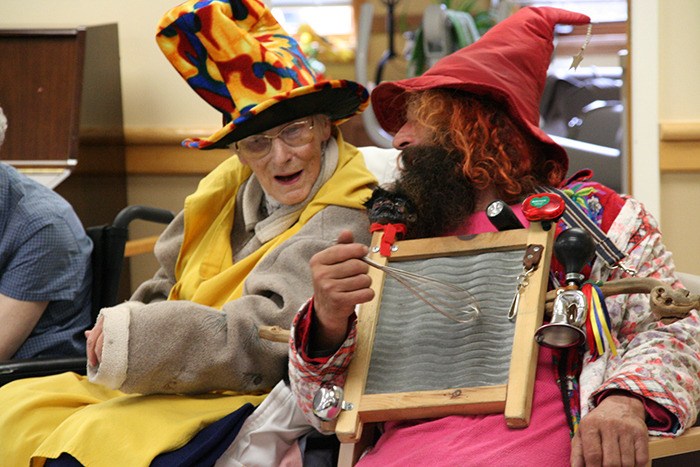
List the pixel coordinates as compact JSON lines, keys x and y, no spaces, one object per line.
{"x":258,"y":146}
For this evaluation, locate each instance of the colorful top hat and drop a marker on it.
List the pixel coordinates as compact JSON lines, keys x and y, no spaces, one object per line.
{"x":236,"y":56}
{"x":509,"y":64}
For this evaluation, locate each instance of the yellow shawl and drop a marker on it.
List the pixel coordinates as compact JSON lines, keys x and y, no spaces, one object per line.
{"x":205,"y":271}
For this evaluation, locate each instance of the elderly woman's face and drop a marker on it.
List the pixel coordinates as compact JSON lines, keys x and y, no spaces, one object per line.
{"x":287,"y":159}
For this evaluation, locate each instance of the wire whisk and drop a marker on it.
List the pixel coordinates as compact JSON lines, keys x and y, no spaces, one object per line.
{"x":450,"y":300}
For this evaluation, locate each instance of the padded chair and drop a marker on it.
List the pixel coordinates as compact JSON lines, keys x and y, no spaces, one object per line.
{"x":109,"y":243}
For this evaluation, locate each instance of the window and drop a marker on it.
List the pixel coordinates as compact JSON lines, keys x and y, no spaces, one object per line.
{"x":325,"y":29}
{"x":328,"y":18}
{"x":600,"y":11}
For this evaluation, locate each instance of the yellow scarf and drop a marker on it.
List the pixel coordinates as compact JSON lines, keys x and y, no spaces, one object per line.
{"x":205,"y":270}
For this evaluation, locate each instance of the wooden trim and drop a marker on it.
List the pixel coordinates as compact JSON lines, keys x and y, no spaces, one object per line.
{"x":145,"y":136}
{"x":157,"y":151}
{"x":152,"y":151}
{"x":679,"y":156}
{"x":140,"y":246}
{"x":616,"y":27}
{"x":679,"y":146}
{"x":606,"y":38}
{"x":171,"y":160}
{"x":679,"y":131}
{"x":664,"y":447}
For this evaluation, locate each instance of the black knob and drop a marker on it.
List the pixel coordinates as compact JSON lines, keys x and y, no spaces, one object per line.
{"x":574,"y":248}
{"x":502,"y":216}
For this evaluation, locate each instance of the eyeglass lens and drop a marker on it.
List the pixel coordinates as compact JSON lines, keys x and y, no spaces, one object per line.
{"x":295,"y":134}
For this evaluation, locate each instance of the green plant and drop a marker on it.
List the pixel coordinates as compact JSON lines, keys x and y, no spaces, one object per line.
{"x":482,"y":16}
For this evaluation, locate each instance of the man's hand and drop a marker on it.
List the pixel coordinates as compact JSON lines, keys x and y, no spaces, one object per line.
{"x":340,"y":282}
{"x":612,"y":434}
{"x":95,"y":341}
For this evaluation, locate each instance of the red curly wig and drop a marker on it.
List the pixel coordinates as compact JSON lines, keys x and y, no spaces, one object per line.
{"x":497,"y":152}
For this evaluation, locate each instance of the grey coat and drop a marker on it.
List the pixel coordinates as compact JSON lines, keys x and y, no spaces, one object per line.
{"x":156,"y":346}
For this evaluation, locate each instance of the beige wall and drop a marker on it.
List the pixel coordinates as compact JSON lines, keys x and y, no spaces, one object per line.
{"x":153,"y":93}
{"x":154,"y":96}
{"x":679,"y":105}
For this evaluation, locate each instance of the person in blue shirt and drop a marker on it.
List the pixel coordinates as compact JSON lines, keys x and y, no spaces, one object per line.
{"x":45,"y":273}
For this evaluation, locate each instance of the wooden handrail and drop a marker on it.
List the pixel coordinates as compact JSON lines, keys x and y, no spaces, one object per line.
{"x":665,"y":447}
{"x":140,"y":246}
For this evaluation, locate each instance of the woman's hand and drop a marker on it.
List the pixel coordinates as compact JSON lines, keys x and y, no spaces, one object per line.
{"x":95,"y":341}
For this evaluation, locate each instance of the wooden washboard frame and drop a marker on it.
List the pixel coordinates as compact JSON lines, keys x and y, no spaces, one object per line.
{"x":367,"y":408}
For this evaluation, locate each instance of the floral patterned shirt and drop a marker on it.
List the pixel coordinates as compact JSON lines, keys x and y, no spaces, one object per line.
{"x":657,"y":362}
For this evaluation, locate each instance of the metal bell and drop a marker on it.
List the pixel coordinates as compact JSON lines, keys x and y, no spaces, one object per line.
{"x":328,"y":402}
{"x":568,"y":319}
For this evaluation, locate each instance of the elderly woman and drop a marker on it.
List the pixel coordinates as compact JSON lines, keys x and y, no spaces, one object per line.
{"x":236,"y":258}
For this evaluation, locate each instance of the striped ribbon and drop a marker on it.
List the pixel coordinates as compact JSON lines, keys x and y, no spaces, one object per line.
{"x":598,"y":334}
{"x":574,"y":216}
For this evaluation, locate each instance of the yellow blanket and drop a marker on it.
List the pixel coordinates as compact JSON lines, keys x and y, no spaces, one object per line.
{"x":98,"y":426}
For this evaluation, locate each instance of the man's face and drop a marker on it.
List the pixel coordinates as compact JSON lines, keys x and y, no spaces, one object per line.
{"x":411,"y":133}
{"x":431,"y":177}
{"x":286,"y":159}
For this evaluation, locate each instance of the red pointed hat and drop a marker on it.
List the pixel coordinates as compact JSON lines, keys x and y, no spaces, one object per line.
{"x":509,"y":64}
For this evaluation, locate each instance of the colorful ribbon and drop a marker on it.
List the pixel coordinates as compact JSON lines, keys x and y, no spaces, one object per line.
{"x":598,"y":334}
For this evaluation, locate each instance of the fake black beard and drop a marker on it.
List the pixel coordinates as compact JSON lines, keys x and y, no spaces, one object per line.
{"x":432,"y":178}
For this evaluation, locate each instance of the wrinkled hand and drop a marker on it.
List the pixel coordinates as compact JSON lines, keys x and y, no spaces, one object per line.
{"x":95,"y":341}
{"x":340,"y":282}
{"x":612,"y":434}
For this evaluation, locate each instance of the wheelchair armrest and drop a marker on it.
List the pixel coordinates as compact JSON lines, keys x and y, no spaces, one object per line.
{"x":11,"y":370}
{"x":147,"y":213}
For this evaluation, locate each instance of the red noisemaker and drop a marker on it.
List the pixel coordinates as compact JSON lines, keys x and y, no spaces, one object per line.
{"x":543,"y":207}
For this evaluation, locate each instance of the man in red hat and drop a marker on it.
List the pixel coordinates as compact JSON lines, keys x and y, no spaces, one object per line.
{"x":235,"y":259}
{"x":468,"y":131}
